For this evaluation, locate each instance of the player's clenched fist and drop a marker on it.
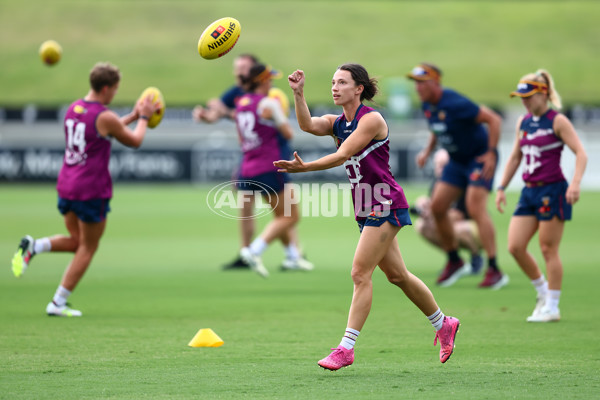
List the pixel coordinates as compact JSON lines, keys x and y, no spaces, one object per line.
{"x":296,"y":80}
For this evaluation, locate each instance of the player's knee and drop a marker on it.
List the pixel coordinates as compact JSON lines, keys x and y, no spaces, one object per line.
{"x":86,"y":252}
{"x":292,"y":213}
{"x":293,"y":219}
{"x":288,"y":220}
{"x":397,"y":278}
{"x":476,"y":212}
{"x":73,"y":244}
{"x":438,"y":210}
{"x":359,"y":274}
{"x":548,"y":250}
{"x":516,"y":249}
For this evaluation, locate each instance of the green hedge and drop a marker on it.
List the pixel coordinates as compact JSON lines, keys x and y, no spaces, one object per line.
{"x":483,"y":47}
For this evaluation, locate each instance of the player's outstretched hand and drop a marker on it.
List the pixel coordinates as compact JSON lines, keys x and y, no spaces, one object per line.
{"x":295,"y":165}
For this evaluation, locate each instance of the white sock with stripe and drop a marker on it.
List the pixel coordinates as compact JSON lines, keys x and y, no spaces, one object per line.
{"x":61,"y":296}
{"x":349,"y":339}
{"x":541,"y":285}
{"x":41,"y":245}
{"x":437,"y":319}
{"x":291,"y":252}
{"x":552,"y":300}
{"x":258,"y":246}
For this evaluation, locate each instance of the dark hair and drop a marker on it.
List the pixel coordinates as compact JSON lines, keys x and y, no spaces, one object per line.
{"x":361,"y":77}
{"x":251,"y":57}
{"x":255,"y":76}
{"x":104,"y":74}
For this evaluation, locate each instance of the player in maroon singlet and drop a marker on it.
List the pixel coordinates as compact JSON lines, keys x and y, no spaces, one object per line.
{"x":362,"y":139}
{"x":84,"y":184}
{"x":546,"y":200}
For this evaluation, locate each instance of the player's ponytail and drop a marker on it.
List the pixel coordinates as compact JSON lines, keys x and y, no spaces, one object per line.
{"x":246,"y":83}
{"x":553,"y":96}
{"x":258,"y":73}
{"x":361,"y":77}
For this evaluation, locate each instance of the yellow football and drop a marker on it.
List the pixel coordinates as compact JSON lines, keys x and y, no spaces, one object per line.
{"x":280,"y":95}
{"x":219,"y":38}
{"x":50,"y":52}
{"x":157,"y":97}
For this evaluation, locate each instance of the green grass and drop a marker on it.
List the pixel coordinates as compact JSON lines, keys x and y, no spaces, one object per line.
{"x":156,"y":281}
{"x":483,"y":47}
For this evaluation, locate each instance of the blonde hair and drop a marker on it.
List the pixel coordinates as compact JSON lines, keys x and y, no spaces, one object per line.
{"x":543,"y":76}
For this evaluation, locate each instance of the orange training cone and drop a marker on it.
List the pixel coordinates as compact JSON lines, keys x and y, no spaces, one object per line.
{"x":206,"y":338}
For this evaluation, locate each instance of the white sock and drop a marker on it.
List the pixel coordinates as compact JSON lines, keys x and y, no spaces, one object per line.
{"x":61,"y":296}
{"x":437,"y":319}
{"x":349,"y":339}
{"x":291,"y":252}
{"x":41,"y":245}
{"x":258,"y":246}
{"x":541,"y":285}
{"x":552,"y":299}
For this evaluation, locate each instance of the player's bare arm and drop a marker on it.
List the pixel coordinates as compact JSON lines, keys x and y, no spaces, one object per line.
{"x":566,"y":132}
{"x":493,"y":122}
{"x":109,"y":124}
{"x":319,"y":126}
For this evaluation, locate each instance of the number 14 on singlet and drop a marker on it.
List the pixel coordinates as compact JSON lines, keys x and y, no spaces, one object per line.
{"x":75,"y":151}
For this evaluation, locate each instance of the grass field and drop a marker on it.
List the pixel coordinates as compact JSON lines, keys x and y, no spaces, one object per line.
{"x":156,"y":281}
{"x":483,"y":47}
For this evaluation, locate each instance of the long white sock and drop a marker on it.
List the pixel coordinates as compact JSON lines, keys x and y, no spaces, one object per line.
{"x":349,"y":339}
{"x":437,"y":319}
{"x":41,"y":245}
{"x":61,"y":296}
{"x":552,"y":299}
{"x":258,"y":246}
{"x":291,"y":252}
{"x":541,"y":285}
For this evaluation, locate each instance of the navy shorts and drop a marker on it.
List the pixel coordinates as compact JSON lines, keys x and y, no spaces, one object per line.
{"x":462,"y":176}
{"x":398,"y":217}
{"x":94,"y":210}
{"x":545,"y":202}
{"x":267,"y":183}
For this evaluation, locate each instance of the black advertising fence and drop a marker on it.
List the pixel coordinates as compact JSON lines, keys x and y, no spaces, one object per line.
{"x":43,"y":164}
{"x":32,"y":146}
{"x":32,"y":164}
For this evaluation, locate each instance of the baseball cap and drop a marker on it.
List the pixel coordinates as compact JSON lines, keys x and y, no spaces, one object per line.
{"x":261,"y":72}
{"x":275,"y":74}
{"x":526,"y":88}
{"x":425,"y":72}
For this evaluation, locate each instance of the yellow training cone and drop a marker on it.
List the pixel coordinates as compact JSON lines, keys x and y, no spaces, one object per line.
{"x":206,"y":338}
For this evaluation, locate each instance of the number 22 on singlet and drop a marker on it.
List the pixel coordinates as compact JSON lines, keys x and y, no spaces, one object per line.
{"x":246,"y":124}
